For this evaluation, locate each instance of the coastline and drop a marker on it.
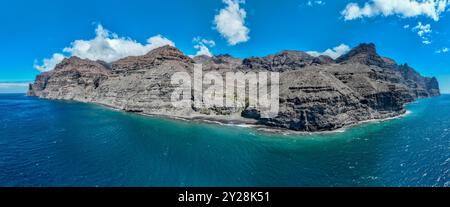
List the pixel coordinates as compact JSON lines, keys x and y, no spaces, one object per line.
{"x":235,"y":121}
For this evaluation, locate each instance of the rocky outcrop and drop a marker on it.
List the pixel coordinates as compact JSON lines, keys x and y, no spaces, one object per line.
{"x":316,"y":93}
{"x":72,"y":79}
{"x":364,"y":54}
{"x":281,"y":62}
{"x":421,"y":87}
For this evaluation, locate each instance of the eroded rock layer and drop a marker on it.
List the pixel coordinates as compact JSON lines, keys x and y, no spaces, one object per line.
{"x":316,"y":93}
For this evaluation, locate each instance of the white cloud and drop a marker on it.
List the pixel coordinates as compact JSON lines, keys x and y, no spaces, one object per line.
{"x":424,"y":31}
{"x":49,"y":63}
{"x":203,"y":46}
{"x":312,"y":3}
{"x":333,"y":53}
{"x":403,"y":8}
{"x":443,"y":50}
{"x":442,"y":5}
{"x":106,"y":46}
{"x":13,"y":85}
{"x":230,"y":22}
{"x":406,"y":26}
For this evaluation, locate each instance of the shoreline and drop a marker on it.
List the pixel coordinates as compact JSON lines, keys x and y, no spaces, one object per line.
{"x":241,"y":122}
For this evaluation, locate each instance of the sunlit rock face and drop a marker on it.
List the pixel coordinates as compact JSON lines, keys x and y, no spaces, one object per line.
{"x":316,"y":93}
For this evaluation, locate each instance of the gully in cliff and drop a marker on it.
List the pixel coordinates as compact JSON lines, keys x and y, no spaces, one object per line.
{"x":238,"y":93}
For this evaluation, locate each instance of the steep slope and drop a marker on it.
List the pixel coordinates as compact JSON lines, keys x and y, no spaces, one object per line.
{"x":284,"y":61}
{"x":361,"y":86}
{"x":316,"y":93}
{"x":72,"y":79}
{"x":143,"y":84}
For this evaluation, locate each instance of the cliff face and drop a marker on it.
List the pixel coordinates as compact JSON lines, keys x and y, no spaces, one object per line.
{"x":72,"y":79}
{"x":316,"y":93}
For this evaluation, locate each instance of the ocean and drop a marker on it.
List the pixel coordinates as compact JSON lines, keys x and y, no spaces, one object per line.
{"x":62,"y":143}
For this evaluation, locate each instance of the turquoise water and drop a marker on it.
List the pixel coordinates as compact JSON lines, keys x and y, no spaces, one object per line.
{"x":57,"y":143}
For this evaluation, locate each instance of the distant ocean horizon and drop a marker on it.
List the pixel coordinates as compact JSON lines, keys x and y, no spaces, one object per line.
{"x":12,"y":87}
{"x":64,"y":143}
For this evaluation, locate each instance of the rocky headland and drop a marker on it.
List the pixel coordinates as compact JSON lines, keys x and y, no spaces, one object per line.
{"x":316,"y":93}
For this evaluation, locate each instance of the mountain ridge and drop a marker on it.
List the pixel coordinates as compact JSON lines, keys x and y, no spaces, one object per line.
{"x":316,"y":93}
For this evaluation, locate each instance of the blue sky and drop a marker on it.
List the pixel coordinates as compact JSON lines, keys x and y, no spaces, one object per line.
{"x":35,"y":30}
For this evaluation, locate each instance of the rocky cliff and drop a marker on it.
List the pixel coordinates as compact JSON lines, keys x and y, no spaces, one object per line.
{"x":316,"y":93}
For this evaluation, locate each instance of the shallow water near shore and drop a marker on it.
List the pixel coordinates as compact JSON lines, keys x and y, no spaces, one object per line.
{"x":59,"y":143}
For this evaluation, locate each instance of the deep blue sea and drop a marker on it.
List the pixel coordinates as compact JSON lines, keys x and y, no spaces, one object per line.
{"x":59,"y":143}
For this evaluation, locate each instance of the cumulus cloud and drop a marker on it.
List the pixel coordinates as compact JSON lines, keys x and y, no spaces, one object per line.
{"x":403,"y":8}
{"x":333,"y":53}
{"x":230,"y":22}
{"x":406,"y":26}
{"x":106,"y":46}
{"x":49,"y":63}
{"x":443,"y":50}
{"x":203,"y":45}
{"x":424,"y":31}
